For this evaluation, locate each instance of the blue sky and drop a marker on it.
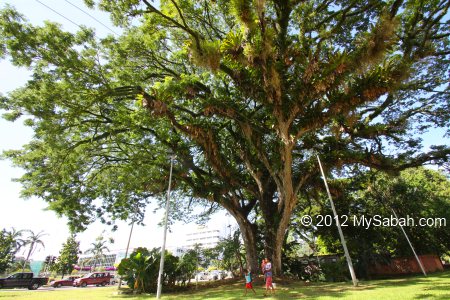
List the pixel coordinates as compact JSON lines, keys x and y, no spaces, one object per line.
{"x":31,"y":213}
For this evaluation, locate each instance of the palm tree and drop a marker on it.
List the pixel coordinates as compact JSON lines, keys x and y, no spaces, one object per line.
{"x":33,"y":240}
{"x":98,"y":250}
{"x":16,"y":235}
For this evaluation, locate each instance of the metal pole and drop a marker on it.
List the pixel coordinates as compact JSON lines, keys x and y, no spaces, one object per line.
{"x":163,"y":248}
{"x":410,"y":244}
{"x":338,"y":224}
{"x":126,"y":251}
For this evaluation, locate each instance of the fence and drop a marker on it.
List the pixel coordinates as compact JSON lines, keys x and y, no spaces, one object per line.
{"x":407,"y":265}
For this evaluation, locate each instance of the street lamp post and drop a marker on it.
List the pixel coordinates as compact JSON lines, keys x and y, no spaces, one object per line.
{"x":163,"y":248}
{"x":129,"y":238}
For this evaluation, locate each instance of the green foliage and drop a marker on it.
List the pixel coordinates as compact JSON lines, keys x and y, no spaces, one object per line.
{"x":243,"y":10}
{"x":230,"y":253}
{"x":97,"y":250}
{"x":244,"y":92}
{"x":141,"y":269}
{"x":416,"y":193}
{"x":32,"y":241}
{"x":68,"y":256}
{"x":7,"y":250}
{"x":335,"y":271}
{"x":434,"y":286}
{"x":188,"y":266}
{"x":208,"y":55}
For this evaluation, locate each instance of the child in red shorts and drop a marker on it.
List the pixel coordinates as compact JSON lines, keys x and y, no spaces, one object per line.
{"x":268,"y":275}
{"x":248,"y":282}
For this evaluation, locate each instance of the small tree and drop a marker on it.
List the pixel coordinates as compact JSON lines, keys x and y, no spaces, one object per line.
{"x":231,"y":250}
{"x":140,"y":270}
{"x":188,"y":265}
{"x":68,"y":256}
{"x":7,"y":250}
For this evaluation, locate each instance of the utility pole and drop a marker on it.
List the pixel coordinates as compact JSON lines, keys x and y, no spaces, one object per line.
{"x":410,"y":244}
{"x":163,"y":248}
{"x":338,"y":224}
{"x":126,"y":251}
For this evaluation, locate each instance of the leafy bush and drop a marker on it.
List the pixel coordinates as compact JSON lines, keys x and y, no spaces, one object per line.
{"x":141,"y":269}
{"x":335,"y":271}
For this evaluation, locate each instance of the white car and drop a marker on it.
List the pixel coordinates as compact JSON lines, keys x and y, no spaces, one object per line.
{"x":216,"y":275}
{"x":202,"y":276}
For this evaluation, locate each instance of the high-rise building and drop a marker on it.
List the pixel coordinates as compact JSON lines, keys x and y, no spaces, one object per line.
{"x":204,"y":236}
{"x":108,"y":261}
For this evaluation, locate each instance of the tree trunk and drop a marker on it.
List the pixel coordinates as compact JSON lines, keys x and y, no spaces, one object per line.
{"x":28,"y":257}
{"x":248,"y":231}
{"x":281,"y":231}
{"x":273,"y":246}
{"x":276,"y":224}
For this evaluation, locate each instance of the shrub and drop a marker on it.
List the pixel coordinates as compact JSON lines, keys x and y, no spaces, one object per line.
{"x":335,"y":271}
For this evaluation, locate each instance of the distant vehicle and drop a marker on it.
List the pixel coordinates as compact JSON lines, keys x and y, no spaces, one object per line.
{"x":24,"y":280}
{"x":96,"y":278}
{"x":216,"y":275}
{"x":202,"y":276}
{"x":113,"y":280}
{"x":68,"y":281}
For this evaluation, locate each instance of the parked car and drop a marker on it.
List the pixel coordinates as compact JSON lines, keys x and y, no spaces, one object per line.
{"x":68,"y":281}
{"x":25,"y":280}
{"x":95,"y":278}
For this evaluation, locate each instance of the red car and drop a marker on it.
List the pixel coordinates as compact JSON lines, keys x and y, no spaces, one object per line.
{"x":68,"y":281}
{"x":97,"y":278}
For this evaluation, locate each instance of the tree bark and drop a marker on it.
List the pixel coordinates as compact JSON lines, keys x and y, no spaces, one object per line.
{"x":248,"y":231}
{"x":28,"y":257}
{"x":273,"y":246}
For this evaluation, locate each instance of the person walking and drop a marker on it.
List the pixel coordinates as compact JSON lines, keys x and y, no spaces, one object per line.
{"x":269,"y":277}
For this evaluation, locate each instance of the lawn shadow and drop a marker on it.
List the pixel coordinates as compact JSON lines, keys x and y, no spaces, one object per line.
{"x":298,"y":290}
{"x":334,"y":290}
{"x":434,"y":297}
{"x":291,"y":289}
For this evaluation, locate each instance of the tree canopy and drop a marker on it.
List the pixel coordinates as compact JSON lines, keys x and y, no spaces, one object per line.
{"x":246,"y":93}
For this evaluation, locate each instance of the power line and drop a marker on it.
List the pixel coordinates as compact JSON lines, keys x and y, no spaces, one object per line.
{"x":59,"y":14}
{"x":92,"y":17}
{"x":73,"y":21}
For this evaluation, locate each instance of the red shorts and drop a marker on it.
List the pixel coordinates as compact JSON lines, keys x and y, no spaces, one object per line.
{"x":269,"y":281}
{"x":248,"y":285}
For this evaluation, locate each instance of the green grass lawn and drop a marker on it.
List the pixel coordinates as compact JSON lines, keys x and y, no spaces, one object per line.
{"x":436,"y":286}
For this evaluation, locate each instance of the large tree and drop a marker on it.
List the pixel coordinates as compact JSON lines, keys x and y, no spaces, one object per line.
{"x":244,"y":92}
